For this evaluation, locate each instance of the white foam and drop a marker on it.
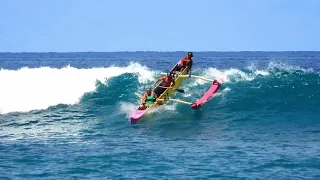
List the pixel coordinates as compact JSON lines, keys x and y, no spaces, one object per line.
{"x":38,"y":88}
{"x":286,"y":67}
{"x":223,"y":75}
{"x":187,"y":94}
{"x":253,"y":68}
{"x":127,"y":108}
{"x":226,"y":89}
{"x":236,"y":75}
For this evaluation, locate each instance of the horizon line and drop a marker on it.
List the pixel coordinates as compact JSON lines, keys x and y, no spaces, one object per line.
{"x":158,"y":51}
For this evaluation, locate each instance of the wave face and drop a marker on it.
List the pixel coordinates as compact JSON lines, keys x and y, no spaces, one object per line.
{"x":278,"y":86}
{"x":70,"y":112}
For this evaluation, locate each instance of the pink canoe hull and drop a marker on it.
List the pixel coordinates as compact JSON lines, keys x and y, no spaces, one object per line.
{"x":200,"y":102}
{"x":137,"y":115}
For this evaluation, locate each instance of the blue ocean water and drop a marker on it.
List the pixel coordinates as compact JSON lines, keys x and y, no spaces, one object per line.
{"x":65,"y":116}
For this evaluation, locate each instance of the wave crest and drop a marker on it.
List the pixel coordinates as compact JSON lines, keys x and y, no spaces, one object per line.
{"x":38,"y":88}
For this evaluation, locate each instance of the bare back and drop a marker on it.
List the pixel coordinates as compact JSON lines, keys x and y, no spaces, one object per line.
{"x":166,"y":81}
{"x":186,"y":62}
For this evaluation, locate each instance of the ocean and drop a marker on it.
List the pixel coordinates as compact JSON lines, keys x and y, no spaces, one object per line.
{"x":66,"y":116}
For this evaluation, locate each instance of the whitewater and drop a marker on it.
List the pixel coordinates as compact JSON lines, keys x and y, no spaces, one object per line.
{"x":27,"y":89}
{"x":66,"y":115}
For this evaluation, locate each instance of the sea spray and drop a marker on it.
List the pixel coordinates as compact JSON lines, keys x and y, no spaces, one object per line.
{"x":28,"y":89}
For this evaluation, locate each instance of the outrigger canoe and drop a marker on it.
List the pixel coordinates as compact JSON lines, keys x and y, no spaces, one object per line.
{"x":165,"y":96}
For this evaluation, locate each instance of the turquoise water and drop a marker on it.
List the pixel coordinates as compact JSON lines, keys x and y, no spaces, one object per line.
{"x":66,"y":116}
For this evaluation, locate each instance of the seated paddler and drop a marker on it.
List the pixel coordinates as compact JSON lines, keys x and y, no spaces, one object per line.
{"x":186,"y":61}
{"x":148,"y":99}
{"x":167,"y":81}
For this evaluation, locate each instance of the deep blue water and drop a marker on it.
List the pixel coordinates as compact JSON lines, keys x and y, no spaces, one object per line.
{"x":65,"y":116}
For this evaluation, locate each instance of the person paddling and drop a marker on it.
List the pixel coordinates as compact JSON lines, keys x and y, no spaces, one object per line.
{"x":185,"y":62}
{"x":167,"y":81}
{"x":148,"y":99}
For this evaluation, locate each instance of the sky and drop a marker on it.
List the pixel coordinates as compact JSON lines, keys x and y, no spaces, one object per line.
{"x":163,"y":25}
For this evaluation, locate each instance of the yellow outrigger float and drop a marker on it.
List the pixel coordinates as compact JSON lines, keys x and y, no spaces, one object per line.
{"x":164,"y":97}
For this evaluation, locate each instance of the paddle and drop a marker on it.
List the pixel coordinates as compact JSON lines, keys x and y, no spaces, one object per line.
{"x":179,"y":90}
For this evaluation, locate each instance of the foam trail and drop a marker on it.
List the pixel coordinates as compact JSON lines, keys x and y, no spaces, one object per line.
{"x":233,"y":75}
{"x":127,"y":108}
{"x":273,"y":66}
{"x":223,"y":76}
{"x":38,"y":88}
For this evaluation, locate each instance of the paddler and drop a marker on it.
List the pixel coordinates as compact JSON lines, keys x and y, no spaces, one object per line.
{"x":148,"y":98}
{"x":186,"y":61}
{"x":167,"y":81}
